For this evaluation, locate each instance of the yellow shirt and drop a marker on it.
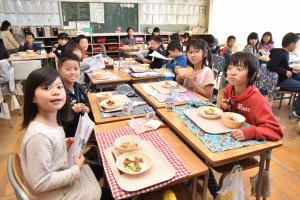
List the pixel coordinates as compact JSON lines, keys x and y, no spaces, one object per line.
{"x":9,"y":41}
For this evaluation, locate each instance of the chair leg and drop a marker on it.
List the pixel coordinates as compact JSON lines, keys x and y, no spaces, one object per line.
{"x":281,"y":97}
{"x":291,"y":97}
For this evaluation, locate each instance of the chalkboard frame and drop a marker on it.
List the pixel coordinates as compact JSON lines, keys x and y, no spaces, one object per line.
{"x":100,"y":27}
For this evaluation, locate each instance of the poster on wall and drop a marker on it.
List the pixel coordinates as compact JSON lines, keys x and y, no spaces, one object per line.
{"x":97,"y":12}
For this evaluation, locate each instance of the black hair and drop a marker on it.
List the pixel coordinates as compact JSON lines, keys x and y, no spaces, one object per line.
{"x":175,"y":37}
{"x":267,"y":34}
{"x":289,"y":38}
{"x":156,"y":30}
{"x":5,"y":25}
{"x":63,"y":36}
{"x":173,"y":45}
{"x":248,"y":60}
{"x":80,"y":37}
{"x":40,"y":77}
{"x":251,"y":36}
{"x":158,"y":39}
{"x":28,"y":34}
{"x":230,"y":37}
{"x":200,"y":45}
{"x":71,"y":47}
{"x":187,"y":35}
{"x":128,"y":29}
{"x":68,"y":57}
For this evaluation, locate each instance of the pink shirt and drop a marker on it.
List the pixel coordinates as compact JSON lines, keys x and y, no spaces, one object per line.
{"x":203,"y":78}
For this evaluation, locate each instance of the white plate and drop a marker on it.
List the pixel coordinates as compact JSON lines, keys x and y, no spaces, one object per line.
{"x":145,"y":165}
{"x":205,"y":110}
{"x":132,"y":139}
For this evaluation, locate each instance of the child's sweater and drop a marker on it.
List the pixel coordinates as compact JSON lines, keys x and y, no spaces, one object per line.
{"x":254,"y":107}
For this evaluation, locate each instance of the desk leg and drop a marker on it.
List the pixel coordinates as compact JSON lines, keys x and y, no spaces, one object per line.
{"x":204,"y":189}
{"x":194,"y":188}
{"x":260,"y":174}
{"x":267,"y":168}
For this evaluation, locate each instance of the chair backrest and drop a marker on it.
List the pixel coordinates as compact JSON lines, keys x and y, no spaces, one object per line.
{"x":15,"y":175}
{"x":24,"y":68}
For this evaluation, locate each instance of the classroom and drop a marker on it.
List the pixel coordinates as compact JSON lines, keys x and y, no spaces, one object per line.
{"x":149,"y":100}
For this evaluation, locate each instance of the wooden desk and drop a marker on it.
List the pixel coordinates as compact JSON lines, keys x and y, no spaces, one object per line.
{"x":100,"y":84}
{"x":196,"y":167}
{"x":220,"y":158}
{"x":142,"y":79}
{"x":96,"y":112}
{"x":26,"y":58}
{"x":153,"y":102}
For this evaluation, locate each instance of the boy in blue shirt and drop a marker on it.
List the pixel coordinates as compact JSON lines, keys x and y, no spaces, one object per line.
{"x":179,"y":59}
{"x":29,"y":43}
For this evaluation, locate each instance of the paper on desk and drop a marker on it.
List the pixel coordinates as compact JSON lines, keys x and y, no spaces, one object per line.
{"x":158,"y":55}
{"x":84,"y":129}
{"x":138,"y":54}
{"x":96,"y":62}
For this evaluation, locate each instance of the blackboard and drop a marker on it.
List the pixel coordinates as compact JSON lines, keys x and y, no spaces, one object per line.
{"x":115,"y":14}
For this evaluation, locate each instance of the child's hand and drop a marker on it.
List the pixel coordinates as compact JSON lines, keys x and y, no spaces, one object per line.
{"x":86,"y":109}
{"x":79,"y":161}
{"x":238,"y":135}
{"x":225,"y":104}
{"x":289,"y":74}
{"x":55,"y":46}
{"x":78,"y":107}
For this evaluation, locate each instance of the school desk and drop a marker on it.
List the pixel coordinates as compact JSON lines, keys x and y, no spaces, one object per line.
{"x":153,"y":102}
{"x":195,"y":166}
{"x":107,"y":83}
{"x":96,"y":112}
{"x":224,"y":157}
{"x":26,"y":58}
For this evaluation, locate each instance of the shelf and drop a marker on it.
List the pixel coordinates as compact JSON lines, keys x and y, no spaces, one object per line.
{"x":105,"y":43}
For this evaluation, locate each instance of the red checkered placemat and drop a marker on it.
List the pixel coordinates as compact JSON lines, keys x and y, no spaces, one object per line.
{"x":106,"y":139}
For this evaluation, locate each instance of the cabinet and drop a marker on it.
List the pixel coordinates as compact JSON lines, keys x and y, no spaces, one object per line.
{"x":109,"y":41}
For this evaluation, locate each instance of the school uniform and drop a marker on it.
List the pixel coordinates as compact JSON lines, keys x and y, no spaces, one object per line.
{"x":60,"y":51}
{"x":77,"y":95}
{"x":129,"y":41}
{"x":156,"y":62}
{"x":34,"y":47}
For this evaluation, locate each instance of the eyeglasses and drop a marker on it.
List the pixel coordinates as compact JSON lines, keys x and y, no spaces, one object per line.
{"x":194,"y":52}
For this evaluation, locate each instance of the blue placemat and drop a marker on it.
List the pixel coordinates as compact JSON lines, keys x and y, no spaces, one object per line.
{"x":216,"y":143}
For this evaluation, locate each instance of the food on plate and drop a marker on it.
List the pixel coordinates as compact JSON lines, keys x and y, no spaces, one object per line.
{"x":233,"y":120}
{"x":210,"y":112}
{"x":110,"y":103}
{"x":128,"y":145}
{"x":168,"y":84}
{"x":133,"y":165}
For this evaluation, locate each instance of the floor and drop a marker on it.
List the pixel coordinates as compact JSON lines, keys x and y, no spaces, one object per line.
{"x":285,"y":164}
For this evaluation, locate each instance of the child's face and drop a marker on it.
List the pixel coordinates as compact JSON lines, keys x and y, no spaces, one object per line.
{"x":253,"y":41}
{"x":237,"y":75}
{"x":83,"y":44}
{"x":231,"y":43}
{"x":292,"y":47}
{"x":173,"y":53}
{"x":62,"y":42}
{"x":195,"y":56}
{"x":29,"y":39}
{"x":155,"y":33}
{"x":130,"y":32}
{"x":266,"y":38}
{"x":50,"y":98}
{"x":70,"y":71}
{"x":154,"y":45}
